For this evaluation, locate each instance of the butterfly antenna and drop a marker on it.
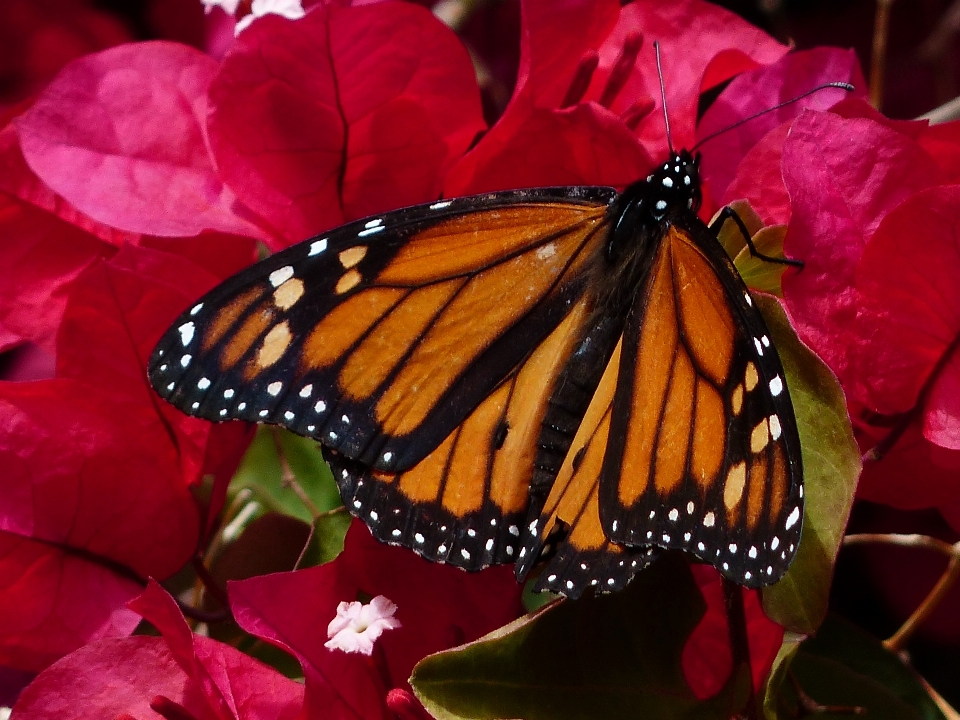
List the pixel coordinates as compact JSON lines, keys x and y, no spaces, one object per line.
{"x":841,"y":85}
{"x":663,"y":97}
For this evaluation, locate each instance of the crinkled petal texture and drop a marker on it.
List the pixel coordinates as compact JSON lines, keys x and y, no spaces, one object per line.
{"x":910,"y":312}
{"x":843,"y":176}
{"x":438,"y":607}
{"x":759,"y":90}
{"x":121,"y":135}
{"x":873,"y":216}
{"x":176,"y":675}
{"x":344,"y":113}
{"x":582,"y":111}
{"x":95,"y":494}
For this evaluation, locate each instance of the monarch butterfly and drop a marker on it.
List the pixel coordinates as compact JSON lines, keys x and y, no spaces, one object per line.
{"x":492,"y":375}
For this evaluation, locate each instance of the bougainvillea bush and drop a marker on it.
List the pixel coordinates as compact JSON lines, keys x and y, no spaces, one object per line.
{"x":155,"y":565}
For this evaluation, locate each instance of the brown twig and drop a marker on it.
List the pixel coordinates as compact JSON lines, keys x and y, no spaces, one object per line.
{"x":878,"y":54}
{"x":896,"y":642}
{"x":943,"y":705}
{"x":288,"y":479}
{"x":812,"y":707}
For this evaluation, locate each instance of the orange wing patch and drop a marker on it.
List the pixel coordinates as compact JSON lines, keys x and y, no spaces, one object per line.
{"x":451,"y":505}
{"x":700,"y":463}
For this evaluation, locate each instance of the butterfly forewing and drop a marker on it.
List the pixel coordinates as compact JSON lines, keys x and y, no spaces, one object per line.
{"x":703,"y":453}
{"x":379,"y":338}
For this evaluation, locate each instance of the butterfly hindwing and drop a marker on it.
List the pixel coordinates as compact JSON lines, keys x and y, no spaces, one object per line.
{"x":380,"y":337}
{"x":464,"y":504}
{"x":703,"y":453}
{"x":583,"y":555}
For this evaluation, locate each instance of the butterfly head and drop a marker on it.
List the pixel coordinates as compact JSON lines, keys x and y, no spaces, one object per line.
{"x":675,"y":185}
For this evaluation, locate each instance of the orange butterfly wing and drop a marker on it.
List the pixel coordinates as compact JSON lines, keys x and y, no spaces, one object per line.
{"x":381,"y":337}
{"x":689,"y":442}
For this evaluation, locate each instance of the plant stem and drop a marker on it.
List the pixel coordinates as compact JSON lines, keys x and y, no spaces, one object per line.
{"x":899,"y":639}
{"x":878,"y":54}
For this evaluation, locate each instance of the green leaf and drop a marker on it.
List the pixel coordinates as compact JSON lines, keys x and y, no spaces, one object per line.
{"x":328,"y":535}
{"x":610,"y":656}
{"x":844,"y":666}
{"x":778,"y":674}
{"x":831,"y":467}
{"x":262,"y":472}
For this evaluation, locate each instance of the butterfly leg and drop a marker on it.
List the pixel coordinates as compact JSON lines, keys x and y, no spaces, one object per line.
{"x":731,"y":214}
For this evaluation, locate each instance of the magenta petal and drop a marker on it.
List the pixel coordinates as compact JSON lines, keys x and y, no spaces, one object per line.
{"x":41,"y":256}
{"x":910,"y":313}
{"x":343,"y":113}
{"x":701,"y":45}
{"x":762,"y":89}
{"x":120,"y":135}
{"x":54,"y":601}
{"x":105,"y":679}
{"x":843,"y":177}
{"x":941,"y":414}
{"x":292,"y":610}
{"x":234,"y":683}
{"x":582,"y":145}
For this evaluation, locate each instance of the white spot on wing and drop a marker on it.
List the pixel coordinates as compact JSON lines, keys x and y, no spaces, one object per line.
{"x":281,"y":275}
{"x":441,"y":205}
{"x":370,"y":231}
{"x":792,"y":518}
{"x":775,"y":428}
{"x":776,"y":386}
{"x":185,"y":360}
{"x":274,"y":388}
{"x":186,"y":332}
{"x":373,"y":223}
{"x":317,"y":247}
{"x":709,"y":519}
{"x":306,"y":390}
{"x":203,"y":383}
{"x":195,"y":309}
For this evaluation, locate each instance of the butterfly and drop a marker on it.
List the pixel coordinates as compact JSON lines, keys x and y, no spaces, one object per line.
{"x":569,"y":375}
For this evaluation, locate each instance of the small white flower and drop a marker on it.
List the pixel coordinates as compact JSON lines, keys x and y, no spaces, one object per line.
{"x":229,"y":6}
{"x":357,"y":626}
{"x":290,"y":9}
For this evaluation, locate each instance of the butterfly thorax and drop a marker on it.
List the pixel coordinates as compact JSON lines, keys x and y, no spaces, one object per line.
{"x":640,"y":220}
